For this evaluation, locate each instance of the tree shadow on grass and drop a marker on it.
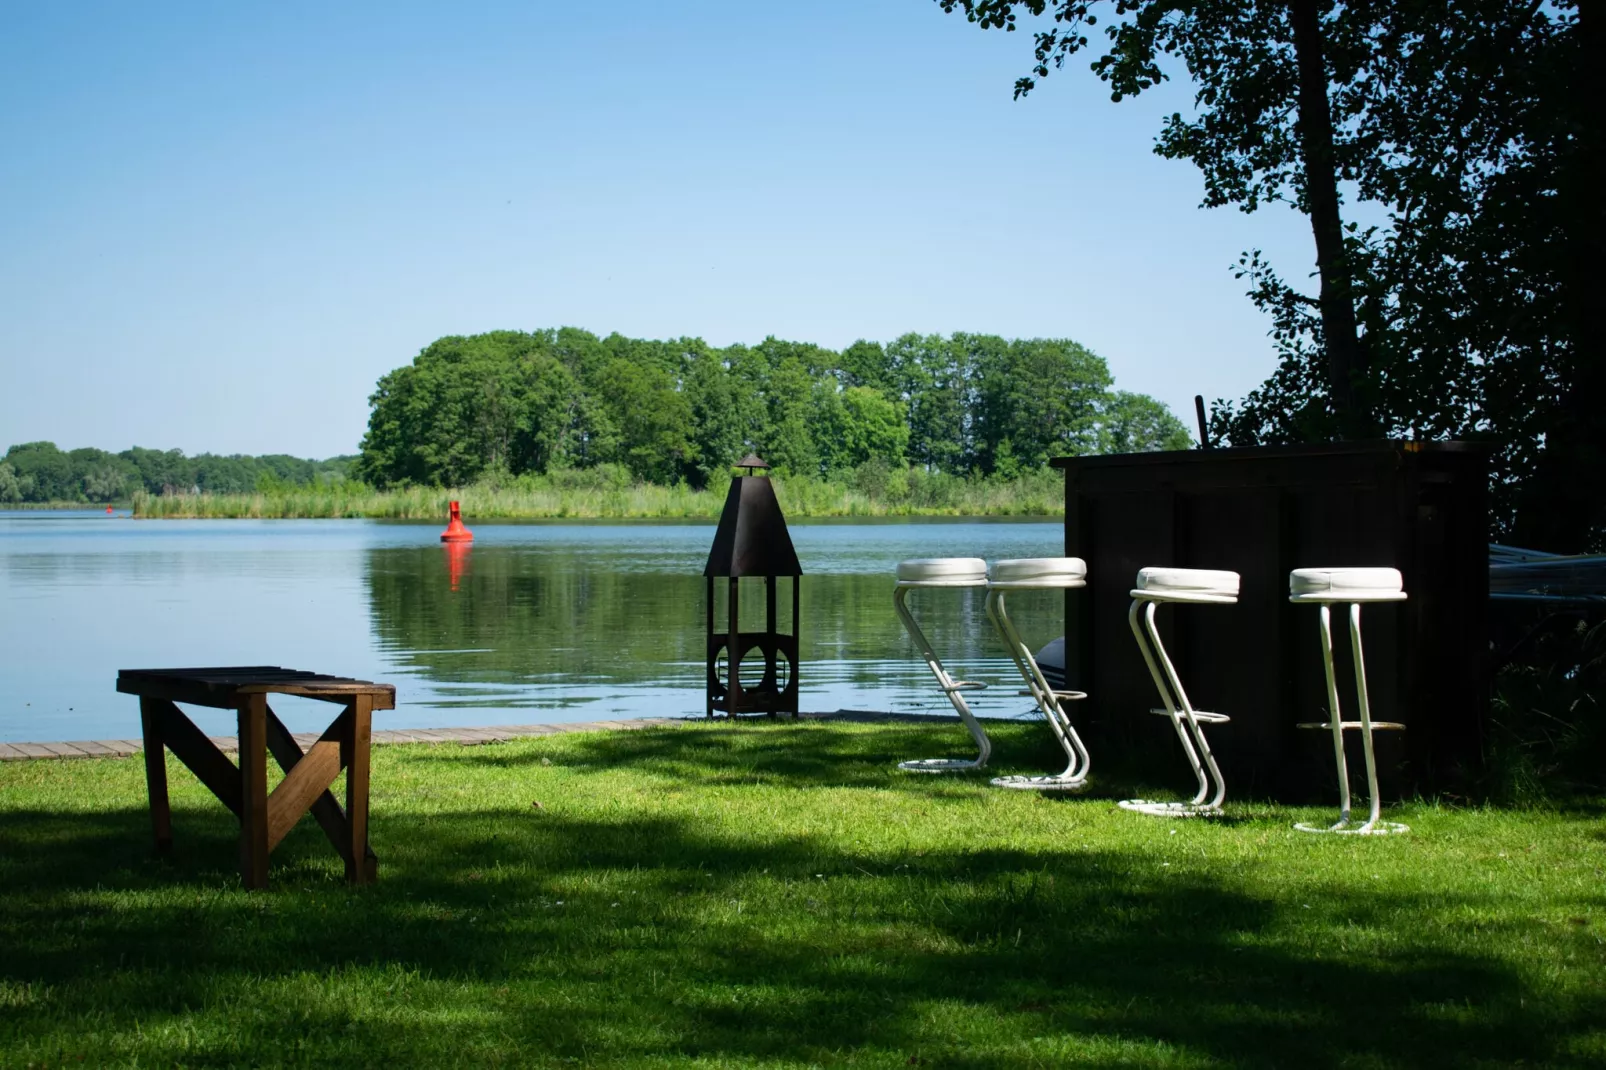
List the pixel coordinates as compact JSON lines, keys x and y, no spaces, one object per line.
{"x":541,"y":935}
{"x":822,"y":754}
{"x":796,"y":755}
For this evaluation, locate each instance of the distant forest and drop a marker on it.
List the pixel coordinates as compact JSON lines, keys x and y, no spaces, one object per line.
{"x":493,"y":407}
{"x":511,"y":403}
{"x":39,"y":472}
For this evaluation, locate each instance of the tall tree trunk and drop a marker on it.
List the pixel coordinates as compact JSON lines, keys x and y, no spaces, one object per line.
{"x":1346,"y":359}
{"x":1562,"y":508}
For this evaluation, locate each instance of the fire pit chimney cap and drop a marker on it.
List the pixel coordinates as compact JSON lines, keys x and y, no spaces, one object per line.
{"x":751,"y":462}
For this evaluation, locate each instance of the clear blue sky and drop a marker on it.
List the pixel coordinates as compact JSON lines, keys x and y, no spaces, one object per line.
{"x":220,"y":223}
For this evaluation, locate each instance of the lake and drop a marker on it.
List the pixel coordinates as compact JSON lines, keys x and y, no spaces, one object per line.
{"x":537,"y":622}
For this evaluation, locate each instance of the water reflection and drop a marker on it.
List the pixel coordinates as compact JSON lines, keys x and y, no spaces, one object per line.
{"x":608,"y":621}
{"x":533,"y":622}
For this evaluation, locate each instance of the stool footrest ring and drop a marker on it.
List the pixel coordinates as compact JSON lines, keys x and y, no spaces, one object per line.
{"x":1379,"y":726}
{"x":1356,"y":828}
{"x":1039,"y":783}
{"x":1169,"y":809}
{"x":940,"y":765}
{"x":1198,"y":715}
{"x":1069,"y":696}
{"x":965,"y":685}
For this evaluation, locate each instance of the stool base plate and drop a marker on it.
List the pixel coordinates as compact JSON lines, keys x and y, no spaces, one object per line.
{"x":1356,"y":828}
{"x":1377,"y":726}
{"x":1169,"y":809}
{"x":1198,"y":715}
{"x":940,"y":765}
{"x":1038,"y":783}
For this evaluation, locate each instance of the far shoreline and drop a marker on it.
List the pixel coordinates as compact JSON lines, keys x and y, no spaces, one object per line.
{"x":1038,"y":496}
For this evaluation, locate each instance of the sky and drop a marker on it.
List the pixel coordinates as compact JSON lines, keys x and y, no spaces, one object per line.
{"x":221,"y":223}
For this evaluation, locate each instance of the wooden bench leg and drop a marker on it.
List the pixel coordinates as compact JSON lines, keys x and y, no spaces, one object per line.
{"x":156,"y":774}
{"x":360,"y":865}
{"x":253,"y":718}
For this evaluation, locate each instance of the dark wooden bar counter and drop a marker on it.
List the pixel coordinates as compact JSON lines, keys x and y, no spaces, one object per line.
{"x":1262,"y":512}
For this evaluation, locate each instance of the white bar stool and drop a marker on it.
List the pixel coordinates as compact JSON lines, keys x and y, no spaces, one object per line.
{"x":1354,"y":586}
{"x":943,"y":572}
{"x":1036,"y":574}
{"x":1191,"y":585}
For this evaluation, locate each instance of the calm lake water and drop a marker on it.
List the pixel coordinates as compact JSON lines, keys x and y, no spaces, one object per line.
{"x":535,"y":623}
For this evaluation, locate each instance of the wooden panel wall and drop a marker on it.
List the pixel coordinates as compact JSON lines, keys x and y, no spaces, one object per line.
{"x":1263,"y":512}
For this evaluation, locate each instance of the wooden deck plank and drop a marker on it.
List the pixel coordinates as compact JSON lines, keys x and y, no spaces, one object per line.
{"x":401,"y":735}
{"x":472,"y":734}
{"x":95,"y":748}
{"x":476,"y":735}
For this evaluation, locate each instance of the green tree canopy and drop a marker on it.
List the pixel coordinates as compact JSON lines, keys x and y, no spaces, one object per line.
{"x":40,"y":472}
{"x":1473,"y":127}
{"x":510,"y":403}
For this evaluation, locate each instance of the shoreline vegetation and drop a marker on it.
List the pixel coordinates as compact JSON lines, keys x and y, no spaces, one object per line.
{"x":610,"y":495}
{"x":560,"y":423}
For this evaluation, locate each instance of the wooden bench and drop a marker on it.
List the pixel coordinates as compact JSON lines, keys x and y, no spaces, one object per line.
{"x":265,"y":817}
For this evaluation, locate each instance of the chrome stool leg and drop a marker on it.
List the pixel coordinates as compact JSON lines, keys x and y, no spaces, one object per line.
{"x":1338,"y":729}
{"x":951,"y":688}
{"x":1352,"y":586}
{"x":1374,"y":825}
{"x":1049,"y":701}
{"x":1185,"y":719}
{"x":1200,"y":587}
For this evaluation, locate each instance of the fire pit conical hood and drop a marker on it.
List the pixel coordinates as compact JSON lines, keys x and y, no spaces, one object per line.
{"x":752,"y":539}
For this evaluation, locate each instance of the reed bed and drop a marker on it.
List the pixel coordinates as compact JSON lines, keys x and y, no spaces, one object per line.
{"x":911,"y":493}
{"x":59,"y":506}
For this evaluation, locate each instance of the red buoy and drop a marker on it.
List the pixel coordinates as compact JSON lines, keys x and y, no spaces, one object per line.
{"x":456,"y":561}
{"x":455,"y":531}
{"x":108,"y":510}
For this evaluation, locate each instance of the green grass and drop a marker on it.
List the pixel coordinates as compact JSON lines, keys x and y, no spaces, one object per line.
{"x":780,"y":896}
{"x":890,"y":494}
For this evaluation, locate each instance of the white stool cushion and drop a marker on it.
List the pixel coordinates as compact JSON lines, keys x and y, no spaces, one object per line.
{"x":1186,"y":585}
{"x":942,"y":572}
{"x":1038,"y":572}
{"x":1345,"y":585}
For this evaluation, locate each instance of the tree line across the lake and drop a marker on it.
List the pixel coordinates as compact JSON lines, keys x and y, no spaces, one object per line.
{"x":510,"y":403}
{"x":40,"y":472}
{"x":497,"y":407}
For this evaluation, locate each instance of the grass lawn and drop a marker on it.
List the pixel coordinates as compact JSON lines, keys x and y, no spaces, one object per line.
{"x":779,"y":895}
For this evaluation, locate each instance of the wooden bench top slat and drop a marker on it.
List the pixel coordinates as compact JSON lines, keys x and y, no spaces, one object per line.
{"x":223,"y":686}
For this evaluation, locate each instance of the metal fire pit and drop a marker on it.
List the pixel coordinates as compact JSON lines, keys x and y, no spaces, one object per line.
{"x":751,"y":543}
